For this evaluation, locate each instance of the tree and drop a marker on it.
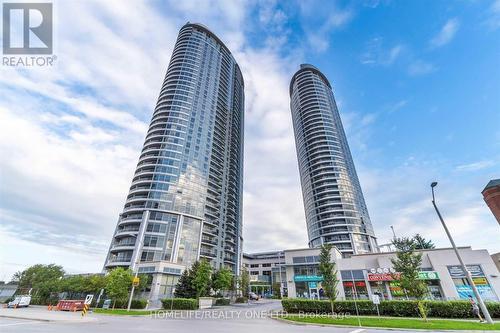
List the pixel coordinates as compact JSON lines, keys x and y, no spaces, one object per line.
{"x":222,"y":280}
{"x":118,"y":282}
{"x":184,"y":287}
{"x":407,"y":265}
{"x":277,"y":290}
{"x":329,"y":273}
{"x":44,"y":279}
{"x":244,"y":282}
{"x":201,"y":278}
{"x":422,"y":243}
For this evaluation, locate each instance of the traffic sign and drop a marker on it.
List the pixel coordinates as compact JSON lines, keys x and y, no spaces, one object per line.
{"x":88,"y":299}
{"x":136,"y":281}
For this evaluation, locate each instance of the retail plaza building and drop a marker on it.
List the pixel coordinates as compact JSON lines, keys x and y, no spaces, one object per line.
{"x":363,"y":275}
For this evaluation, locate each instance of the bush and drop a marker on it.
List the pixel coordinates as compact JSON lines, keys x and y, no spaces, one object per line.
{"x":136,"y":304}
{"x":179,"y":303}
{"x":241,"y":300}
{"x":36,"y":300}
{"x":396,"y":308}
{"x":222,"y":301}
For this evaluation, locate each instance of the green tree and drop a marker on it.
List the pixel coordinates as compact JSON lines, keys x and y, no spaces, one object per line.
{"x":407,"y":265}
{"x":244,"y":282}
{"x":277,"y":290}
{"x":422,"y":243}
{"x":118,"y":283}
{"x":328,"y":272}
{"x":201,"y":278}
{"x":222,"y":280}
{"x":44,"y":279}
{"x":184,"y":287}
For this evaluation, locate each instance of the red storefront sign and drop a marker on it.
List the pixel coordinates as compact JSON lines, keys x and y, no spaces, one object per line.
{"x":381,"y":277}
{"x":358,"y":284}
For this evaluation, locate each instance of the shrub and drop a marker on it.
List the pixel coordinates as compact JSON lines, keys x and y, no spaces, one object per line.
{"x":222,"y":301}
{"x":241,"y":300}
{"x":136,"y":304}
{"x":179,"y":303}
{"x":36,"y":300}
{"x":396,"y":308}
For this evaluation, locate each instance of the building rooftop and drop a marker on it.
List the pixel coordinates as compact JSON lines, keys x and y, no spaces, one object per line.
{"x":492,"y":183}
{"x":305,"y":67}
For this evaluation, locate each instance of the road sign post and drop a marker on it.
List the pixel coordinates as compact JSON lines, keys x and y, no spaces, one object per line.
{"x":86,"y":304}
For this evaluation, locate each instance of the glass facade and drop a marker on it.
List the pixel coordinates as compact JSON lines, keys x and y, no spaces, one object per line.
{"x":334,"y":205}
{"x":189,"y":175}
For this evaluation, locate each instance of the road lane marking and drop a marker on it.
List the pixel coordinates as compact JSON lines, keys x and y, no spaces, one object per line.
{"x":358,"y":330}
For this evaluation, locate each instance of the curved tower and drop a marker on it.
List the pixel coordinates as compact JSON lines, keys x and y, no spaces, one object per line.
{"x":185,"y":199}
{"x":334,"y":205}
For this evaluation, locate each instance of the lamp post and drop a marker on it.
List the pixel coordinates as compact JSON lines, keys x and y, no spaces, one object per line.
{"x":467,"y":273}
{"x":139,"y":237}
{"x":136,"y":271}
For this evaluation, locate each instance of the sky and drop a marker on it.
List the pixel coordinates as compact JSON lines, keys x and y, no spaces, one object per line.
{"x":417,"y":84}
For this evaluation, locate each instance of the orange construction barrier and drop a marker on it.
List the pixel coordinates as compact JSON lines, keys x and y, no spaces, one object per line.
{"x":70,"y":305}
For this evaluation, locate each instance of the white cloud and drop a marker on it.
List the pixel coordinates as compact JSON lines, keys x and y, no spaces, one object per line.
{"x":327,"y":18}
{"x":397,"y":106}
{"x":420,"y":67}
{"x":493,"y":20}
{"x":446,"y":33}
{"x":407,"y":189}
{"x":475,"y":166}
{"x":377,"y":54}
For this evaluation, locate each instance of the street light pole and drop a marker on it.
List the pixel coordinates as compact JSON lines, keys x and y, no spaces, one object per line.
{"x":467,"y":273}
{"x":139,"y":237}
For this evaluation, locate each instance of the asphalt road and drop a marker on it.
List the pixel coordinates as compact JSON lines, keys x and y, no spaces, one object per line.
{"x":251,"y":318}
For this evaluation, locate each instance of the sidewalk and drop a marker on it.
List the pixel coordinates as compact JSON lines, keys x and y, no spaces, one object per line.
{"x":41,"y":313}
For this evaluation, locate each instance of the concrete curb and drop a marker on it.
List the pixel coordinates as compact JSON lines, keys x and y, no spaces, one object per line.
{"x":23,"y":318}
{"x":376,"y":328}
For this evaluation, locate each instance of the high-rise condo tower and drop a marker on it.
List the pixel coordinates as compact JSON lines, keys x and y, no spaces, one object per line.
{"x":334,"y":205}
{"x":185,"y":200}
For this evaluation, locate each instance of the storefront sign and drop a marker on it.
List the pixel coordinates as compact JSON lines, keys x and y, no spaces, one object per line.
{"x":349,"y":284}
{"x":456,"y":271}
{"x":313,"y":285}
{"x":380,"y":277}
{"x":424,"y":275}
{"x":480,"y":280}
{"x":307,"y":278}
{"x":382,"y":270}
{"x":428,"y":275}
{"x":484,"y":290}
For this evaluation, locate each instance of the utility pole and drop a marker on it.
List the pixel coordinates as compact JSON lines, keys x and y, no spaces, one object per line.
{"x":467,"y":273}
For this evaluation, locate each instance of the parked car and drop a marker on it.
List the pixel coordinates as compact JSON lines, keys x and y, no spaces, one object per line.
{"x":20,"y":302}
{"x":253,"y":296}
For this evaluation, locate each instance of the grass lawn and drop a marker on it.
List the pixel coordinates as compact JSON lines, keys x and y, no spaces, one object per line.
{"x":123,"y":312}
{"x":431,"y":324}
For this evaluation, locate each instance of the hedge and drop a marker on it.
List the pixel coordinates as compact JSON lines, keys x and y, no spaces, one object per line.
{"x":179,"y":303}
{"x":222,"y":301}
{"x":396,"y":308}
{"x":136,"y":304}
{"x":241,"y":300}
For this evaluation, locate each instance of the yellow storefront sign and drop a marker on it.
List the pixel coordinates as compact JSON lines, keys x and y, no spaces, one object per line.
{"x":480,"y":280}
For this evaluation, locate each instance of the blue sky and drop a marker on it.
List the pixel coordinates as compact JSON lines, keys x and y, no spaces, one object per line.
{"x":417,"y":84}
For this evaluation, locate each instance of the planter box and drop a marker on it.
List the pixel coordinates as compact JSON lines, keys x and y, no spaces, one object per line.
{"x":205,"y":302}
